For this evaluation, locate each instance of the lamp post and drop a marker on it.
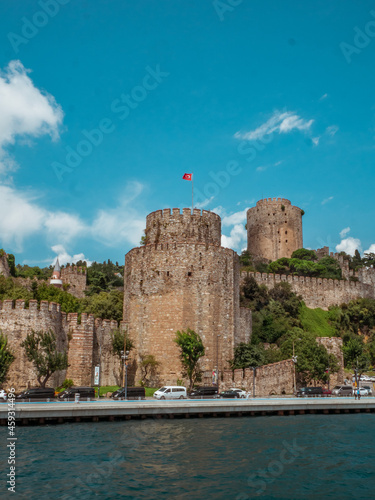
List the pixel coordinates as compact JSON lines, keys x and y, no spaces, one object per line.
{"x":294,"y":358}
{"x":217,"y":362}
{"x":253,"y":368}
{"x":124,"y":356}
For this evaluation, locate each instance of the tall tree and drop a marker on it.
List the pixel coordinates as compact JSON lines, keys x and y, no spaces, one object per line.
{"x":191,"y":350}
{"x":118,"y":342}
{"x":6,"y":358}
{"x":41,"y":349}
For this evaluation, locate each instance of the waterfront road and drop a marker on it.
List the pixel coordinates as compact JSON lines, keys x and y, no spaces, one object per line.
{"x":59,"y":412}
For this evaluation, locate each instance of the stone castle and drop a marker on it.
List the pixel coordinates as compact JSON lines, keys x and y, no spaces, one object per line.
{"x":180,"y":278}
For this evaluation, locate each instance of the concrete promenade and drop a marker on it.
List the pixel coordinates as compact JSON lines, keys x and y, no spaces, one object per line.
{"x":108,"y":410}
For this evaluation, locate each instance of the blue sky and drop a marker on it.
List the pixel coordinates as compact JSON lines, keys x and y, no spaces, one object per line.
{"x":258,"y":99}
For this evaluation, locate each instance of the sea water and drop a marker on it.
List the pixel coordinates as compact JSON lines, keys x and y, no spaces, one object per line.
{"x":294,"y":457}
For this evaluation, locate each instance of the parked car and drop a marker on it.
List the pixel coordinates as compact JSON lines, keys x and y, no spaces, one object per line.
{"x":241,"y":393}
{"x":131,"y":393}
{"x":327,"y":393}
{"x":85,"y":393}
{"x":3,"y":395}
{"x":369,"y":389}
{"x":171,"y":392}
{"x":362,"y":391}
{"x":230,"y":394}
{"x":309,"y":392}
{"x":37,"y":394}
{"x":208,"y":392}
{"x":342,"y":390}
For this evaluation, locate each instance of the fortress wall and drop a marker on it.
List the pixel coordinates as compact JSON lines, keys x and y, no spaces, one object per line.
{"x":175,"y":286}
{"x":276,"y":378}
{"x":81,"y":344}
{"x":274,"y":229}
{"x":316,"y":292}
{"x":245,"y":329}
{"x":16,"y":322}
{"x":76,"y":278}
{"x":110,"y":373}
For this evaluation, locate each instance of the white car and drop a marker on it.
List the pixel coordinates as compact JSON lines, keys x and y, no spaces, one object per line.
{"x":3,"y":395}
{"x":362,"y":391}
{"x":171,"y":392}
{"x":241,"y":393}
{"x":366,"y":378}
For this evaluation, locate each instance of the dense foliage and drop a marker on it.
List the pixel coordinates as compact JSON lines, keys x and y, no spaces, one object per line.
{"x":281,"y":318}
{"x":6,"y":358}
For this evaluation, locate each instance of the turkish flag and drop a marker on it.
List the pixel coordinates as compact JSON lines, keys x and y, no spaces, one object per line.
{"x":187,"y":177}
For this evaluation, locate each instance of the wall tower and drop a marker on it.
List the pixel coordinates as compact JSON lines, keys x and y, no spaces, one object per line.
{"x":182,"y":278}
{"x":274,"y":229}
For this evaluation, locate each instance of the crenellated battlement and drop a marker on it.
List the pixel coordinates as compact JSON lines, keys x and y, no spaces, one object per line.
{"x":316,"y":292}
{"x":273,"y":201}
{"x":174,"y":225}
{"x":45,"y":307}
{"x":73,"y":270}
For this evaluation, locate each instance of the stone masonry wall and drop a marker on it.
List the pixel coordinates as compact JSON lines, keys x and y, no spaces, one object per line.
{"x":16,"y":322}
{"x":4,"y":267}
{"x":276,"y":378}
{"x":317,"y":292}
{"x":172,"y":287}
{"x":76,"y":278}
{"x":334,"y":346}
{"x":274,"y":229}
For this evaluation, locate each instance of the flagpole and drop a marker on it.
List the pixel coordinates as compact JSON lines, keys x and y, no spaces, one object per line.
{"x":192,"y":192}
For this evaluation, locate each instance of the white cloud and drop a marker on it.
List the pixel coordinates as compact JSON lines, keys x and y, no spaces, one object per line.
{"x":237,"y":238}
{"x":326,"y":200}
{"x":315,"y":140}
{"x":371,"y":249}
{"x":349,"y":245}
{"x":236,"y":218}
{"x":344,"y":232}
{"x":25,"y":217}
{"x":204,"y":203}
{"x":25,"y":111}
{"x":332,"y":130}
{"x":64,"y":257}
{"x":281,"y":122}
{"x":324,"y":96}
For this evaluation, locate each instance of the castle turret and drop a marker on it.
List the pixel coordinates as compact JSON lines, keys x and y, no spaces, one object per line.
{"x":182,"y":278}
{"x":274,"y":229}
{"x":56,"y":276}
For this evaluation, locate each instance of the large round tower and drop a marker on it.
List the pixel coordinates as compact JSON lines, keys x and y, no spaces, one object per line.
{"x":274,"y":229}
{"x":181,"y":278}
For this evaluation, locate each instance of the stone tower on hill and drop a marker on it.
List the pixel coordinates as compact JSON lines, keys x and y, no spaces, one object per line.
{"x":182,"y":278}
{"x":274,"y":229}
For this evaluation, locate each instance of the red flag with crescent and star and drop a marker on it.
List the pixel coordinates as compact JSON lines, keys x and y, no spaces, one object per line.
{"x":187,"y":177}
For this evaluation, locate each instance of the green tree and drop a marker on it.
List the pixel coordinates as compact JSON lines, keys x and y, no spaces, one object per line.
{"x":6,"y":358}
{"x":191,"y":350}
{"x":68,"y":302}
{"x":248,"y":355}
{"x":41,"y":349}
{"x":105,"y":305}
{"x":118,"y":338}
{"x":304,"y":254}
{"x":148,"y":366}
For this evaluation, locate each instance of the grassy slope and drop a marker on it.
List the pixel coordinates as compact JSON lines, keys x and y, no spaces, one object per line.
{"x":316,"y":321}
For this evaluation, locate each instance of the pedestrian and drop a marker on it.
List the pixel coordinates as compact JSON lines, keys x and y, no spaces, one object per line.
{"x":358,"y":393}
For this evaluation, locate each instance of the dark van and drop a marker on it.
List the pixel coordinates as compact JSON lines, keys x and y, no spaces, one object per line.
{"x":310,"y":392}
{"x":37,"y":394}
{"x":132,"y":393}
{"x":204,"y":393}
{"x":85,"y":394}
